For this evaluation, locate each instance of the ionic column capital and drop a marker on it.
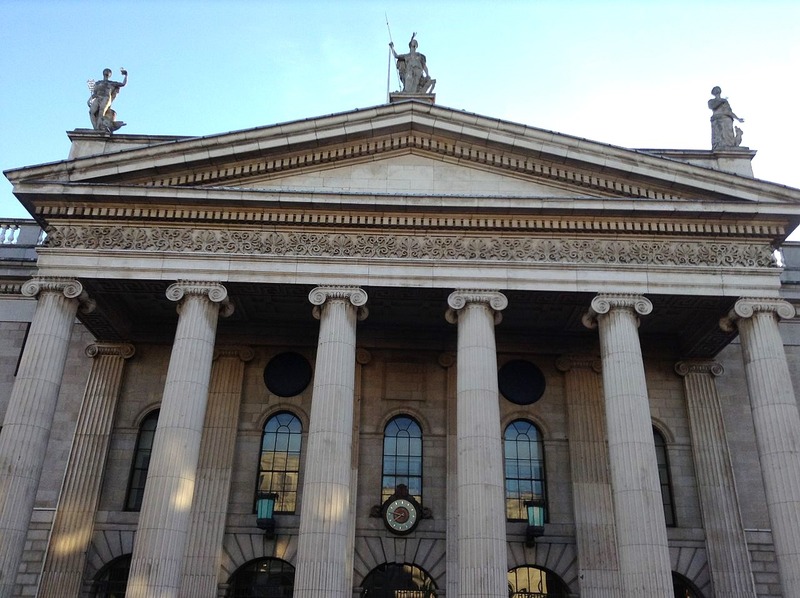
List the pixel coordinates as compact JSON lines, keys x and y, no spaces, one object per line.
{"x":215,"y":292}
{"x":244,"y":353}
{"x":699,"y":366}
{"x":459,"y":299}
{"x":356,"y":296}
{"x":565,"y":363}
{"x":124,"y":350}
{"x":604,"y":303}
{"x":746,"y":307}
{"x":69,"y":287}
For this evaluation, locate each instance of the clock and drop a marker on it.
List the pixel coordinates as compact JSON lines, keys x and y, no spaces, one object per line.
{"x":401,"y":516}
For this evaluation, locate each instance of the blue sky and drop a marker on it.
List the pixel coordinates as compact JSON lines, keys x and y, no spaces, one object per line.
{"x":629,"y":73}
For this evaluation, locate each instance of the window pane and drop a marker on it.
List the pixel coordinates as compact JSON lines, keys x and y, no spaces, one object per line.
{"x":279,"y":462}
{"x":402,"y":457}
{"x":524,"y":467}
{"x":141,"y":462}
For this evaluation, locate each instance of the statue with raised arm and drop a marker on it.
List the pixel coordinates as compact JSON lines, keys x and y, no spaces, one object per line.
{"x":103,"y":93}
{"x":413,"y":70}
{"x":723,"y":133}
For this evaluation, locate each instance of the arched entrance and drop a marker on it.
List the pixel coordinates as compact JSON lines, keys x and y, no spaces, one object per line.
{"x":262,"y":578}
{"x":534,"y":582}
{"x":392,"y":580}
{"x":111,"y":580}
{"x":684,"y":588}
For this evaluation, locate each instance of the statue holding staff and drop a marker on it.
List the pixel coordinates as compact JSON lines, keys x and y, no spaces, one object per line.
{"x":413,"y":69}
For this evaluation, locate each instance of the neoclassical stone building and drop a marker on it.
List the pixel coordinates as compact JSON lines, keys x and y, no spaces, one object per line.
{"x":400,"y":329}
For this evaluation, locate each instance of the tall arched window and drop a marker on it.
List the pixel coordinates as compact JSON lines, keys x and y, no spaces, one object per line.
{"x":402,"y":457}
{"x":664,"y":477}
{"x":111,"y":580}
{"x":262,"y":577}
{"x":535,"y":582}
{"x":141,"y":461}
{"x":279,"y":465}
{"x":524,"y":467}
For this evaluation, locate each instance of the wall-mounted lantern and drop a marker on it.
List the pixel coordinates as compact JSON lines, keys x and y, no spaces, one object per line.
{"x":265,"y":507}
{"x":535,"y":510}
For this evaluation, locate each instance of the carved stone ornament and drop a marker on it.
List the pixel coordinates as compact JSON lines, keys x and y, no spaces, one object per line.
{"x":602,"y":304}
{"x":215,"y":292}
{"x":354,"y":295}
{"x":244,"y":353}
{"x":699,"y":366}
{"x":124,"y":350}
{"x":748,"y":306}
{"x":458,"y":300}
{"x":565,"y":363}
{"x":71,"y":288}
{"x":439,"y":247}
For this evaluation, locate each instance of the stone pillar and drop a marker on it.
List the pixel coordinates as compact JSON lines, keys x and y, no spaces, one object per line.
{"x":728,"y":557}
{"x":595,"y":529}
{"x":447,"y":361}
{"x":482,"y":559}
{"x":210,"y":505}
{"x":80,"y":494}
{"x":30,"y":412}
{"x":324,"y":566}
{"x":644,"y":560}
{"x":160,"y":541}
{"x":777,"y":425}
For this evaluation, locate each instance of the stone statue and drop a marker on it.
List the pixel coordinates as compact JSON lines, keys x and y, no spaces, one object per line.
{"x":723,"y":135}
{"x":103,"y":93}
{"x":413,"y":70}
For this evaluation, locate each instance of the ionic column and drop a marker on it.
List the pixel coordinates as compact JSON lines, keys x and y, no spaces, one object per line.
{"x":80,"y":494}
{"x":210,"y":505}
{"x":30,"y":412}
{"x":777,"y":425}
{"x":482,"y":560}
{"x":725,"y":540}
{"x":595,"y":530}
{"x":160,"y":540}
{"x":324,"y":564}
{"x":644,"y":560}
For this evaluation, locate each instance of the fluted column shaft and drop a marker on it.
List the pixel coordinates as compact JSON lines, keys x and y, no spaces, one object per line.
{"x":482,"y":560}
{"x":212,"y":489}
{"x":595,"y":529}
{"x":777,"y":425}
{"x":728,"y":557}
{"x":30,"y":412}
{"x":80,"y":494}
{"x":323,"y":562}
{"x":641,"y":529}
{"x":160,"y":542}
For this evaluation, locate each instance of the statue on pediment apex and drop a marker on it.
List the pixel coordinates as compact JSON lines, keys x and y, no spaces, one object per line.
{"x":103,"y":94}
{"x":724,"y":135}
{"x":413,"y":69}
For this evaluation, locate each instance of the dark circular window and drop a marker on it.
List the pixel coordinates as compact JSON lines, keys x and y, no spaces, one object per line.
{"x":521,"y":382}
{"x":287,"y":374}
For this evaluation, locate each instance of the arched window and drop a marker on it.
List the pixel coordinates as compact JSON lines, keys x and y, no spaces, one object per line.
{"x":524,"y":467}
{"x":683,"y":587}
{"x":402,"y":457}
{"x":392,"y":580}
{"x":141,"y":462}
{"x":111,"y":580}
{"x":262,"y":577}
{"x":534,"y":582}
{"x":279,"y":465}
{"x":664,"y":477}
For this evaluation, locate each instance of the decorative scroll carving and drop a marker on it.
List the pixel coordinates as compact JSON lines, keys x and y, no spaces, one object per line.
{"x":460,"y":298}
{"x":71,"y":288}
{"x":684,"y":368}
{"x":602,"y":304}
{"x":566,"y":363}
{"x":356,"y":296}
{"x":124,"y":350}
{"x":747,"y":306}
{"x":363,"y":357}
{"x":439,"y":247}
{"x":244,"y":353}
{"x":215,"y":292}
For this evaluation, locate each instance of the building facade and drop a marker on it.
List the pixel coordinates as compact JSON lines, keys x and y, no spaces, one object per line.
{"x":350,"y":355}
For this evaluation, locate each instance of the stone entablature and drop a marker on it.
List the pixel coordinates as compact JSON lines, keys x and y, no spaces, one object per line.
{"x":519,"y":248}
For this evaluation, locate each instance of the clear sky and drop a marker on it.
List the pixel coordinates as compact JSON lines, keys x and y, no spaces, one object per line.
{"x":634,"y":73}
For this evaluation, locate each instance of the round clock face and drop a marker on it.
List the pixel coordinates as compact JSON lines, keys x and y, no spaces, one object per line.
{"x":401,"y":516}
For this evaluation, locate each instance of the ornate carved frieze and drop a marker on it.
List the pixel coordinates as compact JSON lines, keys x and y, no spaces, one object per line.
{"x":517,"y":248}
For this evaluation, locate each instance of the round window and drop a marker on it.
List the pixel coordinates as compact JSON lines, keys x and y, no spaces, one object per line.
{"x":287,"y":374}
{"x":521,"y":382}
